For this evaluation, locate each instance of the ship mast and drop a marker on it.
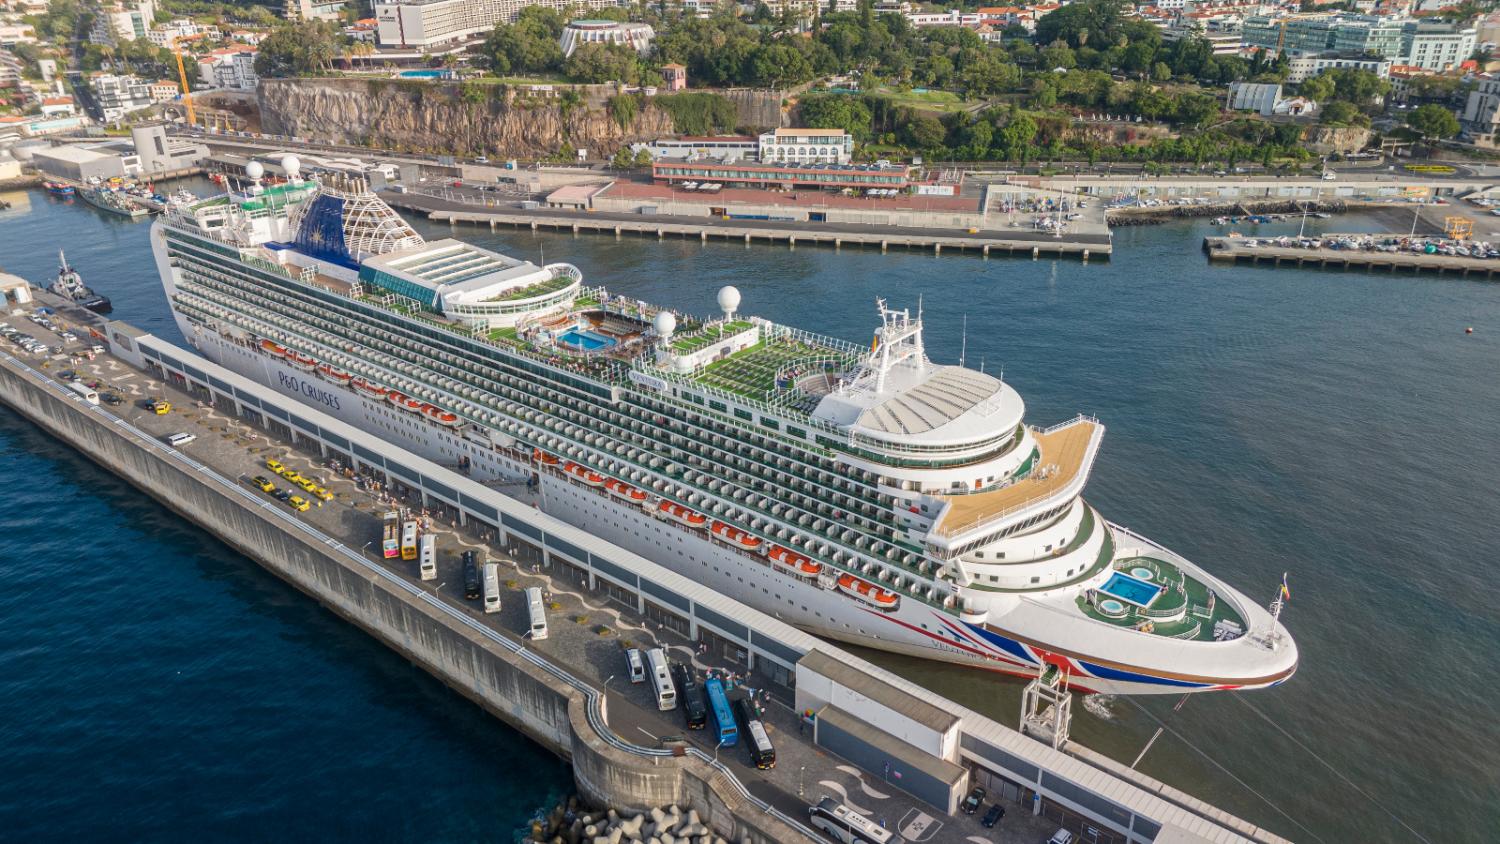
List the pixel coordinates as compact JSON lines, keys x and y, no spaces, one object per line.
{"x":898,"y":339}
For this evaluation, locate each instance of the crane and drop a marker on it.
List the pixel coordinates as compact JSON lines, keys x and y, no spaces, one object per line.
{"x":187,"y":97}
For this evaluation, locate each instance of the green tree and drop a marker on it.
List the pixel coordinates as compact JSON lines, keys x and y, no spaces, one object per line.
{"x":837,"y":111}
{"x":530,"y":45}
{"x":1341,"y":113}
{"x":1088,"y":22}
{"x":925,"y":132}
{"x":1318,"y":88}
{"x":1433,"y":121}
{"x":597,"y":62}
{"x":623,"y":160}
{"x":299,"y":49}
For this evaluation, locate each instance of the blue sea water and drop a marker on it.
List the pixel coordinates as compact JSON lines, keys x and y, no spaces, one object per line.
{"x":1337,"y":426}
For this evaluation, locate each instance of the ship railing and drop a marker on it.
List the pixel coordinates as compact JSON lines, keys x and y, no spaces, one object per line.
{"x":594,"y":700}
{"x":1220,"y":589}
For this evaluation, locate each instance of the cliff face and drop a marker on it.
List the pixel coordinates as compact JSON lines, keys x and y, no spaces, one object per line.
{"x":493,"y":120}
{"x":1330,"y":139}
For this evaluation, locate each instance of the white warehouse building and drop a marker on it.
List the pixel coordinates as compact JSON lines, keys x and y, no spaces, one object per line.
{"x":636,"y":36}
{"x":806,"y":146}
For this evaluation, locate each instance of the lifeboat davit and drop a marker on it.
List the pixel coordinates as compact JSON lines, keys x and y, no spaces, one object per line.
{"x":440,"y":416}
{"x":679,"y":513}
{"x":272,"y":348}
{"x":369,"y":389}
{"x":583,"y":474}
{"x":544,"y":458}
{"x":408,"y":404}
{"x":790,"y":561}
{"x":620,"y":489}
{"x":334,"y":374}
{"x":736,"y":537}
{"x":306,"y":363}
{"x":868,"y":592}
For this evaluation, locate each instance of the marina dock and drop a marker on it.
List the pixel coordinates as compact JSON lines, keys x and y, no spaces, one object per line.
{"x":557,"y":691}
{"x":1234,"y":249}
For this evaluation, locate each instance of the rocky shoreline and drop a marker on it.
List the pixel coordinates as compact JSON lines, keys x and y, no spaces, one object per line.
{"x":568,"y":823}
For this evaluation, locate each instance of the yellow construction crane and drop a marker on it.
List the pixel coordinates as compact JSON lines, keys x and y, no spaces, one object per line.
{"x":187,"y":97}
{"x":1458,"y":228}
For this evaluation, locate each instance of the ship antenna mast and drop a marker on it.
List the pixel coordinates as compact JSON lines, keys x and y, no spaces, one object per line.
{"x":963,"y":346}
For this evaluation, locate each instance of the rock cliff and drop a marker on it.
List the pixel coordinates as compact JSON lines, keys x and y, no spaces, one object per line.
{"x":458,"y":118}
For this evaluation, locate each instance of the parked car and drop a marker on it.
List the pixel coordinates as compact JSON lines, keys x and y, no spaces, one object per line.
{"x":993,"y":816}
{"x":975,"y":799}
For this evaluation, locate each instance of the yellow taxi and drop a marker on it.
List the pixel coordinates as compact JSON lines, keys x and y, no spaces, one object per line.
{"x":262,"y":484}
{"x":275,"y":466}
{"x":291,"y":475}
{"x":299,"y":503}
{"x":321,"y":493}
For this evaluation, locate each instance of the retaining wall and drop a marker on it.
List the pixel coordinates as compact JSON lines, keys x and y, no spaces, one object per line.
{"x":525,"y":695}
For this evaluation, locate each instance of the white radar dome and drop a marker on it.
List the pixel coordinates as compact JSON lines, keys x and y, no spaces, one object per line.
{"x":729,"y":300}
{"x":255,"y":170}
{"x":665,"y":323}
{"x":292,"y":165}
{"x":682,"y":366}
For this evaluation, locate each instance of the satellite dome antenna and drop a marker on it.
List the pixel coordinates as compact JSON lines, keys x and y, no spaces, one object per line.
{"x":255,"y":170}
{"x":729,"y":300}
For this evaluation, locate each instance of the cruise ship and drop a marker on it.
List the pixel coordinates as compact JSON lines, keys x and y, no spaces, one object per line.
{"x":864,"y":493}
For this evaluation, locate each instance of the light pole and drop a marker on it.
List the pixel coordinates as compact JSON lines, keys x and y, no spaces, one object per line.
{"x":800,"y":771}
{"x":716,"y":750}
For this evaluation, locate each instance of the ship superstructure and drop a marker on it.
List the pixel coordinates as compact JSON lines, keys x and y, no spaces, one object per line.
{"x":865,"y":493}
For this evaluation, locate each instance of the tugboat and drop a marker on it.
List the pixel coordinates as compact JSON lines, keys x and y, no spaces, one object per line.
{"x":69,"y":285}
{"x":59,"y":188}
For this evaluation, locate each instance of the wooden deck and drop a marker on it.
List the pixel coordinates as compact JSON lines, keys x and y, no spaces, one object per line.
{"x":1063,"y":453}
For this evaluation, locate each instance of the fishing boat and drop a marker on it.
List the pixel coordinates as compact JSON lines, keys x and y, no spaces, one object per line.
{"x":59,"y":188}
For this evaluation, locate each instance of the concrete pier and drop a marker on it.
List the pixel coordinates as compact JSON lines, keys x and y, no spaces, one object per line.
{"x":1233,"y":250}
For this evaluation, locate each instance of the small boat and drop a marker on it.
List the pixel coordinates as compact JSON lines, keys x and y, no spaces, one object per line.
{"x":334,"y":374}
{"x":868,"y":592}
{"x":410,"y":405}
{"x":306,"y":363}
{"x":440,"y":416}
{"x":679,"y":513}
{"x":545,"y":458}
{"x":583,"y":474}
{"x":736,"y":537}
{"x":59,"y":188}
{"x":790,"y":561}
{"x":371,"y":390}
{"x":272,"y":348}
{"x":69,"y":285}
{"x":620,"y":489}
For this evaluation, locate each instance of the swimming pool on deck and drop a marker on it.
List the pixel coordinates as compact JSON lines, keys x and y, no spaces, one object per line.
{"x":1132,"y":590}
{"x":585,"y":341}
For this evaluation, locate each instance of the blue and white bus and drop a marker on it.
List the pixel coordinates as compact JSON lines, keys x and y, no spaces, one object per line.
{"x":719,"y":711}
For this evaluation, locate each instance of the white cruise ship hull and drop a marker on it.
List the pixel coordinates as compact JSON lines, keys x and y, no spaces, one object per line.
{"x":912,"y":628}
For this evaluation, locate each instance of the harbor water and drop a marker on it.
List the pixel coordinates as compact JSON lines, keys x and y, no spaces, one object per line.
{"x":1337,"y":426}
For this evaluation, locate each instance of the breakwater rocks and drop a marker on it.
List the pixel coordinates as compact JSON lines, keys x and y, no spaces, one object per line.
{"x":1156,"y":215}
{"x":565,"y":824}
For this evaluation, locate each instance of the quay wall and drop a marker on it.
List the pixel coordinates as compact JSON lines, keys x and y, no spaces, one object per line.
{"x":510,"y":682}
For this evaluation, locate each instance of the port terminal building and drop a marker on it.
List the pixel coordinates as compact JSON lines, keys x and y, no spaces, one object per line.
{"x":900,"y":733}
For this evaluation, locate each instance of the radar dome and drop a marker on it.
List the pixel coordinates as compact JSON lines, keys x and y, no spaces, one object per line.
{"x":682,"y":366}
{"x":665,"y":323}
{"x":255,"y":170}
{"x":729,"y":300}
{"x":292,"y":165}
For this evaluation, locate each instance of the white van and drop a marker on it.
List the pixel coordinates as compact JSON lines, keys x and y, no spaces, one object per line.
{"x":537,"y":613}
{"x":637,"y":668}
{"x":427,"y":557}
{"x":491,"y":587}
{"x":1062,"y":836}
{"x":84,"y":392}
{"x":180,"y":439}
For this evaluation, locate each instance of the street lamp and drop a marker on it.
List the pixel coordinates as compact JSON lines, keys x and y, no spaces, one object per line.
{"x":800,"y":771}
{"x":716,"y":750}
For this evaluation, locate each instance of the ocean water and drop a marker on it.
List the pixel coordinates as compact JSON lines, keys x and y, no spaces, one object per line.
{"x":1337,"y":426}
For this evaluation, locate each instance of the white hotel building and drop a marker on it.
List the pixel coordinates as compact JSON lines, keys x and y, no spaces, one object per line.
{"x":806,"y":146}
{"x":421,"y":24}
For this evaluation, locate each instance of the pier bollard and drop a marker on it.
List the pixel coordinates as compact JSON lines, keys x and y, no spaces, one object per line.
{"x":660,"y":234}
{"x":985,"y":250}
{"x":703,"y":236}
{"x":533,"y":225}
{"x":617,"y":232}
{"x":575,"y":228}
{"x":882,"y":246}
{"x":492,"y":225}
{"x":1036,"y":252}
{"x":837,"y":243}
{"x":747,"y":238}
{"x":791,"y":240}
{"x":1085,"y":256}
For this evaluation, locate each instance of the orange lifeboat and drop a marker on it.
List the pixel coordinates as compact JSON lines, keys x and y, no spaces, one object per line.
{"x":440,"y":416}
{"x":334,"y":374}
{"x":371,"y":390}
{"x":306,"y":363}
{"x":544,"y":458}
{"x":679,"y":513}
{"x":409,"y":404}
{"x":273,"y":348}
{"x":620,"y":489}
{"x":868,"y":592}
{"x":736,"y":537}
{"x":395,"y":397}
{"x":583,"y":474}
{"x":790,"y":561}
